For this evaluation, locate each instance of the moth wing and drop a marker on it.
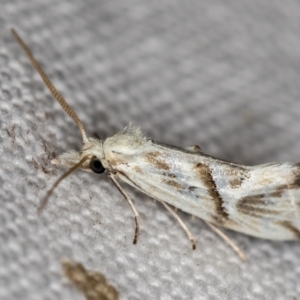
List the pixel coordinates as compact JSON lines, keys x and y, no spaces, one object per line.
{"x":262,"y":201}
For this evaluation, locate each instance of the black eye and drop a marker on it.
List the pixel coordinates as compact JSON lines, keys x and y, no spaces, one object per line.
{"x":96,"y":165}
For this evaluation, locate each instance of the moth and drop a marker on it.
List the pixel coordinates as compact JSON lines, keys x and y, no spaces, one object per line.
{"x":262,"y":201}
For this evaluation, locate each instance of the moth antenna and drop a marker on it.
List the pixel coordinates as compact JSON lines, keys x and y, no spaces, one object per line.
{"x":56,"y":94}
{"x":57,"y":182}
{"x":126,"y":196}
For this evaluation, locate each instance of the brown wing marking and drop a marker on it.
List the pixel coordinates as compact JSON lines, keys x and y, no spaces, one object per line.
{"x":288,"y":225}
{"x":204,"y":173}
{"x":255,"y":206}
{"x":155,"y":159}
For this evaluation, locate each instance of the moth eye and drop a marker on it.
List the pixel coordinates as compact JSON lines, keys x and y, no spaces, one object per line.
{"x":96,"y":165}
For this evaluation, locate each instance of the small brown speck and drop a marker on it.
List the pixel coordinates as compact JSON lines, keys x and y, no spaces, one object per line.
{"x":11,"y":133}
{"x":192,"y":188}
{"x":171,"y":175}
{"x":174,"y":184}
{"x":236,"y":183}
{"x":138,"y":169}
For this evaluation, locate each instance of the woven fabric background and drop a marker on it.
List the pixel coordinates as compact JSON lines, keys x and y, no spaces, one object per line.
{"x":221,"y":74}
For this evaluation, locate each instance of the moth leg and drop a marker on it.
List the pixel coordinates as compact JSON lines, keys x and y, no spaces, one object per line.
{"x":227,"y":240}
{"x":182,"y":224}
{"x":126,"y":196}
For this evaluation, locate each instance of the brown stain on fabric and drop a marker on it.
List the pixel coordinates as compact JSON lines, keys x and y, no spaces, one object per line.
{"x":91,"y":283}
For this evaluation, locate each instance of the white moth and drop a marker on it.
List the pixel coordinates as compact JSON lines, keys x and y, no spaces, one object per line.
{"x":261,"y":201}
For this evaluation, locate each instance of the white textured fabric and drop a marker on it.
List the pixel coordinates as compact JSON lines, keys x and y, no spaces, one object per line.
{"x":221,"y":74}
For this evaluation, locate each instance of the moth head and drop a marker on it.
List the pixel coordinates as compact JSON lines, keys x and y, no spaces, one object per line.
{"x":91,"y":157}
